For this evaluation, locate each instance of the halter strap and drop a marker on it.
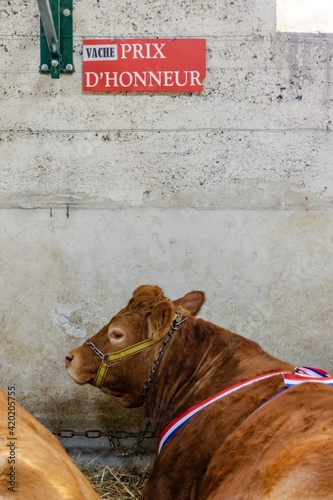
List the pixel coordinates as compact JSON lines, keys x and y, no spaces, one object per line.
{"x":118,"y":356}
{"x":110,"y":358}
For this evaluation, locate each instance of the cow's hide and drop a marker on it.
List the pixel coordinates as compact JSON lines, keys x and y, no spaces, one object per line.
{"x":33,"y":464}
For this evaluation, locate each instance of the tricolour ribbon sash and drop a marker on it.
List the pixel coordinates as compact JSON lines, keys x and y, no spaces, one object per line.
{"x":307,"y":374}
{"x":179,"y":422}
{"x":302,"y":374}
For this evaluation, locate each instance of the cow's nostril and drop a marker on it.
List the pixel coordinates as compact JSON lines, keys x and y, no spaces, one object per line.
{"x":68,"y":359}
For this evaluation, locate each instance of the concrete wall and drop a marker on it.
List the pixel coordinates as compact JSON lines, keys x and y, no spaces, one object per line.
{"x":229,"y":191}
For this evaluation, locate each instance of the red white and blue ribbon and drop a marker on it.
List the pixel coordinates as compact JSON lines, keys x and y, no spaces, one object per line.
{"x":307,"y":374}
{"x":302,"y":374}
{"x":179,"y":422}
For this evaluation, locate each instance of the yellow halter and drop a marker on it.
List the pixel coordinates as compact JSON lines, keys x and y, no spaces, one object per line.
{"x":108,"y":359}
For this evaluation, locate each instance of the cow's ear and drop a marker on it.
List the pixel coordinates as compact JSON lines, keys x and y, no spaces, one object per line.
{"x":160,"y":319}
{"x":192,"y":301}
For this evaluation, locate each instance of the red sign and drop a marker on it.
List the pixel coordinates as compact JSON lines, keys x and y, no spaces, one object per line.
{"x":144,"y":65}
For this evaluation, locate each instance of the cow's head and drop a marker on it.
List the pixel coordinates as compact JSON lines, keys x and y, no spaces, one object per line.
{"x":148,"y":315}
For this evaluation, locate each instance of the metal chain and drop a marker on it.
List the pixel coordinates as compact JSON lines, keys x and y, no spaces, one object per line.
{"x":154,"y":367}
{"x":180,"y":319}
{"x":115,"y":444}
{"x":96,"y":351}
{"x":114,"y":437}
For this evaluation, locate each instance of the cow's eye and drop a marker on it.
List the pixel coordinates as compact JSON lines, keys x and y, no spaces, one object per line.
{"x":116,"y":334}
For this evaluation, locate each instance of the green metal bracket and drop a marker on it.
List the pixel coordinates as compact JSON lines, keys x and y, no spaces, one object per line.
{"x":56,"y":37}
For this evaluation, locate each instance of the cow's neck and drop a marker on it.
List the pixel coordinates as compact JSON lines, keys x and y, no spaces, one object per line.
{"x":200,"y":361}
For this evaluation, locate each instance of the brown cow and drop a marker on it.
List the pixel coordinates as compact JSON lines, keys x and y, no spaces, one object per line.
{"x":252,"y":441}
{"x":33,"y":464}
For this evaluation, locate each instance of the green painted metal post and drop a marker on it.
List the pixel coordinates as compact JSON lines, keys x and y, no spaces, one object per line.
{"x":56,"y":37}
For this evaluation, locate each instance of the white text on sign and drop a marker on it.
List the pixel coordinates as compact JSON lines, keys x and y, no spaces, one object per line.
{"x":127,"y":51}
{"x":147,"y":78}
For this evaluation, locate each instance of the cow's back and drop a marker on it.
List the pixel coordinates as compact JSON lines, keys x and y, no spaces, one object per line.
{"x":41,"y":469}
{"x":283,"y":452}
